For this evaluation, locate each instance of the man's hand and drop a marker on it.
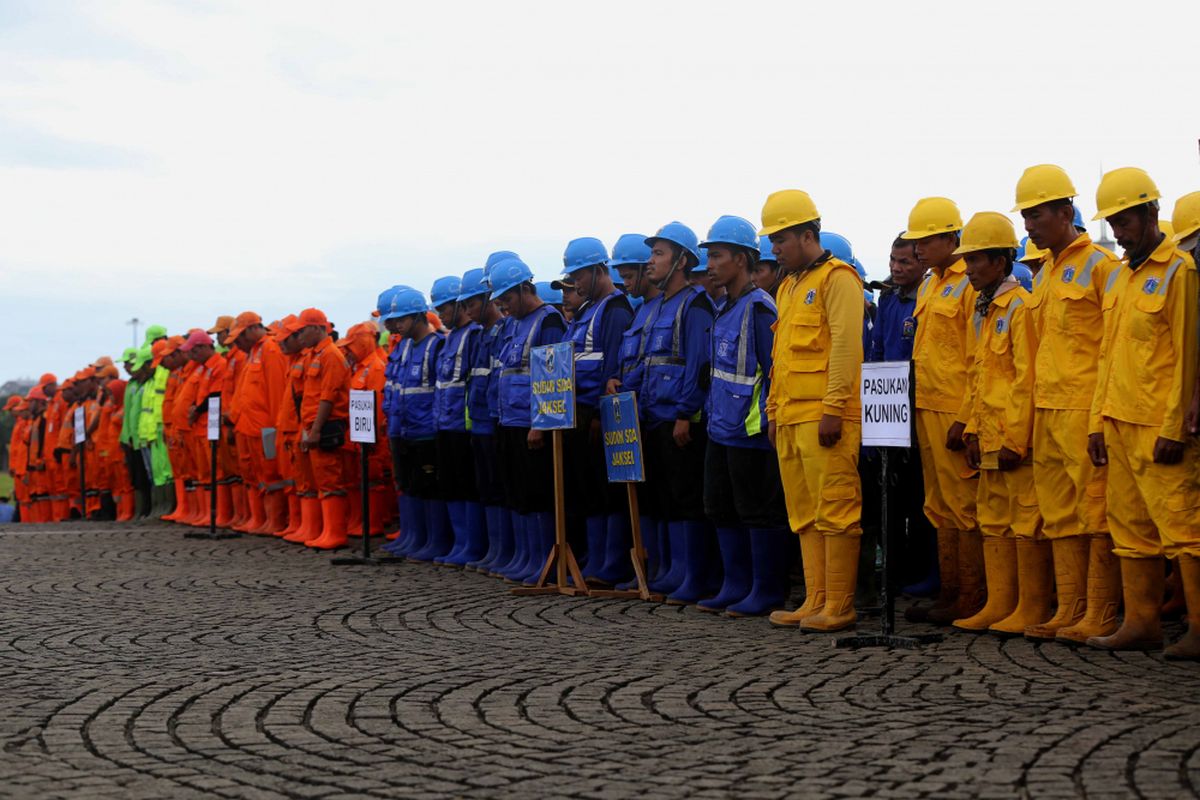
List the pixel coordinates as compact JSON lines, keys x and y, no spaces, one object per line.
{"x":308,"y":439}
{"x":973,"y":457}
{"x":771,"y":433}
{"x":195,"y":412}
{"x":1191,"y":420}
{"x":536,"y":440}
{"x":1167,"y":451}
{"x":1097,"y":452}
{"x":954,"y":437}
{"x":829,"y":430}
{"x":613,"y":386}
{"x":1008,"y":460}
{"x":682,"y":432}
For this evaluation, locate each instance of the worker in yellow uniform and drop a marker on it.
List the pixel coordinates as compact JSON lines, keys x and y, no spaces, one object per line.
{"x":1068,"y":296}
{"x":943,"y":350}
{"x":1137,"y":427}
{"x":999,"y":433}
{"x":814,"y":408}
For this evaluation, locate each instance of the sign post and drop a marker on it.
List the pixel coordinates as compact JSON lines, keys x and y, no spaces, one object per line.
{"x":214,"y":437}
{"x":81,"y":444}
{"x":887,"y":422}
{"x":623,"y":459}
{"x":552,"y":403}
{"x":362,"y":431}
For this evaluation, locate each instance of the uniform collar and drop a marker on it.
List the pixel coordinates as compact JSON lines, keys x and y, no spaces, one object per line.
{"x":1080,"y":242}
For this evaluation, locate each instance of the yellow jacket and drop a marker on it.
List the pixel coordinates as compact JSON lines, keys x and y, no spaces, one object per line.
{"x":1148,"y":356}
{"x":817,"y":355}
{"x":1067,"y":307}
{"x":1000,"y":390}
{"x":945,"y":342}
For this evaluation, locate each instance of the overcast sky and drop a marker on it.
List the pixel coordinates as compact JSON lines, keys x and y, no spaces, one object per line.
{"x":173,"y":161}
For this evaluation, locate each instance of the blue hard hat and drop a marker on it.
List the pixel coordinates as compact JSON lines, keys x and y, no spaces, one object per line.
{"x":508,"y":274}
{"x":868,"y":295}
{"x":474,"y":281}
{"x":405,"y":301}
{"x":677,"y":233}
{"x":616,"y":278}
{"x":384,"y":303}
{"x":1021,"y":249}
{"x":703,"y":265}
{"x":862,"y":271}
{"x":548,"y":293}
{"x":631,"y":248}
{"x":765,"y":253}
{"x":445,"y":290}
{"x":587,"y":251}
{"x":838,"y":245}
{"x":494,"y":259}
{"x":1024,"y":275}
{"x":732,"y":230}
{"x":1079,"y":223}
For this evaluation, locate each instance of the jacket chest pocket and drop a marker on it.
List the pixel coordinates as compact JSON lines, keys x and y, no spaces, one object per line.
{"x":804,"y":332}
{"x":1145,"y":317}
{"x":660,"y":336}
{"x":725,"y":353}
{"x":946,"y":324}
{"x":1073,"y":312}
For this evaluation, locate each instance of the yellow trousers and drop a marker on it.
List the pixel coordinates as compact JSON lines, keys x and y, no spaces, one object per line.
{"x":820,"y":484}
{"x":1070,"y":491}
{"x":1007,"y":503}
{"x":949,"y":484}
{"x":1153,"y":509}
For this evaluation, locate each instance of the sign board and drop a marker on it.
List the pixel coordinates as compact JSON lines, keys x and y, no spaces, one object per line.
{"x":214,"y":418}
{"x":80,"y":426}
{"x":886,"y":404}
{"x":362,"y":416}
{"x":552,"y":386}
{"x":622,"y":438}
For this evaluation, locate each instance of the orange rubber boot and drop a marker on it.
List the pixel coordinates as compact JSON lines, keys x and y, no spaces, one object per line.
{"x":256,"y":510}
{"x":310,"y":522}
{"x":333,"y":513}
{"x":125,"y":507}
{"x":204,"y":511}
{"x":275,"y":508}
{"x":354,"y":513}
{"x":294,"y":515}
{"x":241,"y":509}
{"x":180,"y":506}
{"x":224,"y":505}
{"x":379,"y":511}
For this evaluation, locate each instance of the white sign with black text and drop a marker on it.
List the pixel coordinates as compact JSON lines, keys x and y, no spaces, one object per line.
{"x":362,"y":416}
{"x":214,"y":418}
{"x":80,"y":426}
{"x":886,"y":404}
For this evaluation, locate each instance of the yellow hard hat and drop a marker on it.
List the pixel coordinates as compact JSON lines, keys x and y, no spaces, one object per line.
{"x":1041,"y":184}
{"x":1186,"y":217}
{"x":988,"y":230}
{"x":785,"y":209}
{"x":1124,"y":188}
{"x":1167,"y":229}
{"x":1032,"y":253}
{"x":931,"y":216}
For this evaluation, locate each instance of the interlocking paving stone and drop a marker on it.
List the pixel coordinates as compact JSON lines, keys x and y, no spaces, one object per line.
{"x":137,"y":663}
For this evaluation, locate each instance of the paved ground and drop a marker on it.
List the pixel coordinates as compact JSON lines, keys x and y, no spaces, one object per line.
{"x":136,"y":663}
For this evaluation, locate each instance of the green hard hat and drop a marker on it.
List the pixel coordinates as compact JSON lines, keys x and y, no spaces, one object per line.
{"x":155,"y":332}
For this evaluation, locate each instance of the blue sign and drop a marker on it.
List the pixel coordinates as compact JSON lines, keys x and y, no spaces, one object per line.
{"x":552,"y":386}
{"x":622,"y":438}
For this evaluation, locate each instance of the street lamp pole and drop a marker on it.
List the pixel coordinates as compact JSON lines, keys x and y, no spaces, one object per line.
{"x":134,"y":322}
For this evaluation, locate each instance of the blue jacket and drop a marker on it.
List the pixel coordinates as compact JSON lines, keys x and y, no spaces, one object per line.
{"x":391,"y":390}
{"x":540,"y":327}
{"x":418,"y":380}
{"x":676,"y":356}
{"x":453,"y":368}
{"x":742,"y":338}
{"x":895,"y":327}
{"x":483,"y":403}
{"x":597,"y":331}
{"x":632,"y":342}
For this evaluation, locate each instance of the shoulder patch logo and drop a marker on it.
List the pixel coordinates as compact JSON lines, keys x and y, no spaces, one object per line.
{"x":1150,"y":286}
{"x":810,"y":297}
{"x":1001,"y":324}
{"x":949,"y":288}
{"x":1068,"y":275}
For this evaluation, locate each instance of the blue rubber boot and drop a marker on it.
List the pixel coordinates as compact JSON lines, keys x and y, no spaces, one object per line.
{"x":520,"y":553}
{"x":597,"y":533}
{"x":735,"y":561}
{"x":618,"y":542}
{"x":769,"y":557}
{"x":653,"y":557}
{"x":491,"y":541}
{"x":412,"y":527}
{"x":541,"y":528}
{"x":457,"y":511}
{"x":477,"y":538}
{"x":698,"y":569}
{"x":500,"y":531}
{"x":440,"y":540}
{"x":676,"y":568}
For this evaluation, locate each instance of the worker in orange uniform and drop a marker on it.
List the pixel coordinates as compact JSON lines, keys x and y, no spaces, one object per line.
{"x":207,"y":381}
{"x":177,"y":406}
{"x":304,"y":506}
{"x":361,"y":348}
{"x":174,"y":362}
{"x":1066,"y":309}
{"x":942,"y":354}
{"x":119,"y":480}
{"x":257,"y":397}
{"x":227,"y":446}
{"x":814,"y":409}
{"x":39,"y":501}
{"x":56,"y":479}
{"x":324,"y":417}
{"x":1143,"y":391}
{"x":18,"y":454}
{"x":999,"y":433}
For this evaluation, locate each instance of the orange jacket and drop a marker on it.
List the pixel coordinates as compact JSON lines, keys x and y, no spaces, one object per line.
{"x":235,"y":360}
{"x":261,"y":387}
{"x":327,"y":378}
{"x":288,"y":419}
{"x":210,"y":379}
{"x":18,"y":448}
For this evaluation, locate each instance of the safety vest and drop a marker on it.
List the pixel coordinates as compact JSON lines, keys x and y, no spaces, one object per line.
{"x":633,"y":343}
{"x":391,"y":390}
{"x":663,"y":359}
{"x":453,"y":367}
{"x":480,"y":410}
{"x":514,"y":392}
{"x":736,"y":403}
{"x":589,"y":360}
{"x":417,"y":385}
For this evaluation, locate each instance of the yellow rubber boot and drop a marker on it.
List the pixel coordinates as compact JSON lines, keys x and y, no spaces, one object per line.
{"x":1188,"y":647}
{"x":1142,"y":580}
{"x":812,"y":561}
{"x":1070,"y":582}
{"x":1103,"y":594}
{"x":841,"y":579}
{"x":942,"y":612}
{"x":972,"y":579}
{"x":1000,"y":568}
{"x":1034,"y":587}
